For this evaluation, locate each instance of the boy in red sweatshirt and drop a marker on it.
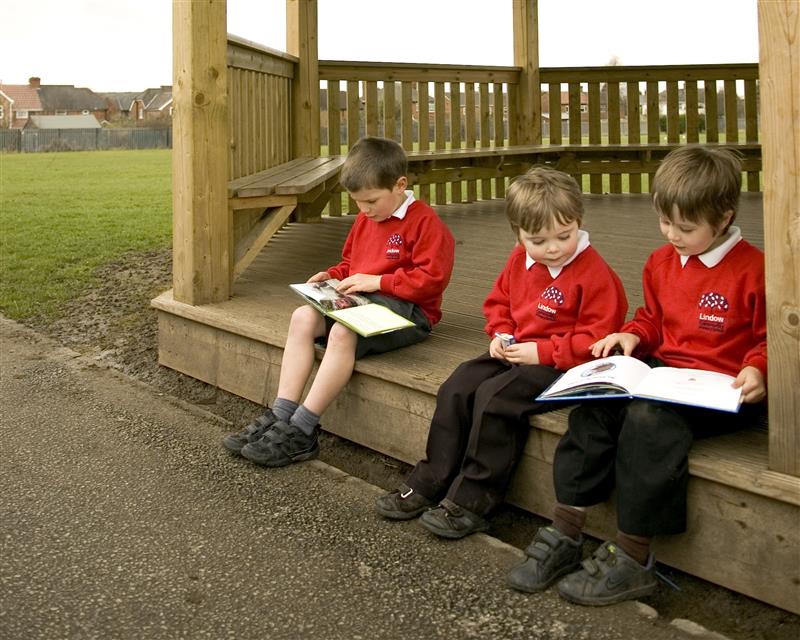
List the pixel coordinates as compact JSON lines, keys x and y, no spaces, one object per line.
{"x":556,"y":296}
{"x":704,"y":309}
{"x":399,"y":254}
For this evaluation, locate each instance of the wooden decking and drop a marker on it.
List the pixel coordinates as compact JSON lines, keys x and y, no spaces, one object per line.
{"x":742,"y":515}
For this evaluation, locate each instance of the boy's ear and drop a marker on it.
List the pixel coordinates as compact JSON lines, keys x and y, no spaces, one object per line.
{"x":402,"y":183}
{"x":726,"y":219}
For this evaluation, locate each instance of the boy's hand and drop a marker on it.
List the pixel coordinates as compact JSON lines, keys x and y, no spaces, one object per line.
{"x":752,"y":383}
{"x":626,"y":341}
{"x":522,"y":353}
{"x":320,"y":277}
{"x":496,"y":349}
{"x":359,"y":282}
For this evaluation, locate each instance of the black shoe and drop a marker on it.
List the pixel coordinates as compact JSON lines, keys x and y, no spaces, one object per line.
{"x":252,"y":432}
{"x":402,"y":504}
{"x":609,"y":576}
{"x":551,"y":555}
{"x":448,"y":520}
{"x":282,"y":444}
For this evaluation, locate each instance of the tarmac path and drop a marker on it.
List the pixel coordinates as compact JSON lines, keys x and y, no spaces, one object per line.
{"x":121,"y":516}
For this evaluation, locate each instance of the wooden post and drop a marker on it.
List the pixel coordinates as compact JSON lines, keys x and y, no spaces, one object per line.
{"x":779,"y":73}
{"x":201,"y":228}
{"x":301,"y":41}
{"x":526,"y":55}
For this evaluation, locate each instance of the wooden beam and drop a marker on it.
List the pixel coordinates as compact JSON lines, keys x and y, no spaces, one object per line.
{"x":252,"y":244}
{"x":301,"y":41}
{"x":779,"y":70}
{"x":526,"y":56}
{"x":202,"y":231}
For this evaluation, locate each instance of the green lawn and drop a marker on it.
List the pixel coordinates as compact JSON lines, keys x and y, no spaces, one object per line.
{"x":64,"y":214}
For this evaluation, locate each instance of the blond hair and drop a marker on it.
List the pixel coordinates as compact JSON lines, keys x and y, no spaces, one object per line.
{"x":541,"y":198}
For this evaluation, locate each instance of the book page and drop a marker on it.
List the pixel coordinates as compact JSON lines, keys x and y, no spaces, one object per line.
{"x":370,"y":319}
{"x":620,"y":372}
{"x":326,"y":295}
{"x":691,"y":386}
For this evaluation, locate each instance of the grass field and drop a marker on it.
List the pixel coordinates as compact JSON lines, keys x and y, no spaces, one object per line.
{"x":64,"y":214}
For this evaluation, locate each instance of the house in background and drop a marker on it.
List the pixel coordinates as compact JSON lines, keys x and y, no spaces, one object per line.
{"x":87,"y":121}
{"x":68,"y":100}
{"x":120,"y":104}
{"x":18,"y":102}
{"x":153,"y":106}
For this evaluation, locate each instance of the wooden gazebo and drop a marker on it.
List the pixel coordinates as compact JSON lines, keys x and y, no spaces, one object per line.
{"x":257,"y":148}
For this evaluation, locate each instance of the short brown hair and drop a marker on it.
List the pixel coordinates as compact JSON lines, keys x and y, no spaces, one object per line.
{"x":702,"y":183}
{"x":373,"y":163}
{"x":541,"y":197}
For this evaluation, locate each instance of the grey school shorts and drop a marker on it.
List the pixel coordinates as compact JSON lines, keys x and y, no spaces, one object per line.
{"x":394,"y":339}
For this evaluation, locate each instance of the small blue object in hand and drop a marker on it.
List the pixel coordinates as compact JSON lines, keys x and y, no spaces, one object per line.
{"x":506,"y":339}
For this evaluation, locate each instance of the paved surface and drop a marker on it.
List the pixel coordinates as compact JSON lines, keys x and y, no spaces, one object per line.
{"x":122,"y":517}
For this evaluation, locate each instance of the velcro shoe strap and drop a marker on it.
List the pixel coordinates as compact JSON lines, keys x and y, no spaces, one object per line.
{"x":452,"y":508}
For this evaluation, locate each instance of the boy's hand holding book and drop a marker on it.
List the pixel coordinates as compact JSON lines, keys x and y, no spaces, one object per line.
{"x":320,"y":277}
{"x":359,"y":282}
{"x":627,"y":342}
{"x":752,"y":383}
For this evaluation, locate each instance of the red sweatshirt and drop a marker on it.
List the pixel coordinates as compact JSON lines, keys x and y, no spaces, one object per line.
{"x":704,"y":318}
{"x":563,"y":315}
{"x":414,"y":256}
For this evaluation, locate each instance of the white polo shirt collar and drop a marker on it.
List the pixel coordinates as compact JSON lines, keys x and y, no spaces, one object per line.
{"x":403,"y":208}
{"x":714,"y":257}
{"x":583,"y":244}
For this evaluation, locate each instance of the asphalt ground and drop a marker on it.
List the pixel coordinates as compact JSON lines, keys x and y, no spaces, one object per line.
{"x":123,"y":517}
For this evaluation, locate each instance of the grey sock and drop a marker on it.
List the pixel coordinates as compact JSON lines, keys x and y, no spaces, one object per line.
{"x":284,"y":409}
{"x":305,"y":420}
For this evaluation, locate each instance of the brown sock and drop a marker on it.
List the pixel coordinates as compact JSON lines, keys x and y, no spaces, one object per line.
{"x":569,"y":520}
{"x":636,"y":547}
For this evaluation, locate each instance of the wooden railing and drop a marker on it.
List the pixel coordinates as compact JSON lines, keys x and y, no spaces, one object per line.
{"x":259,"y":107}
{"x":477,"y":107}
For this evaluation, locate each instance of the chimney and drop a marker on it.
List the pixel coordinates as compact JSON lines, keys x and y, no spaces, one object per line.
{"x":34,"y":83}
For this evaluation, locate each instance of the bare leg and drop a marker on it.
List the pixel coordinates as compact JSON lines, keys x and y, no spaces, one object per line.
{"x":298,"y":356}
{"x":334,"y":370}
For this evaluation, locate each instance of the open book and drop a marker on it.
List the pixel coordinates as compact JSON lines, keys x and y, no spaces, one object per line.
{"x":627,"y":377}
{"x":356,"y":312}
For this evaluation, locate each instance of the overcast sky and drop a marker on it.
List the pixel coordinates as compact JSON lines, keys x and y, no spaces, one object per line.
{"x":126,"y":45}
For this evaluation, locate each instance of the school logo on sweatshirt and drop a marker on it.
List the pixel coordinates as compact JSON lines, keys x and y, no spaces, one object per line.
{"x":713,"y":307}
{"x":550,"y":299}
{"x":393,"y":245}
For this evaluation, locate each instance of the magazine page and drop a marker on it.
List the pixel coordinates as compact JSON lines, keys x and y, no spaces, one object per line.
{"x":598,"y":377}
{"x":691,"y":386}
{"x":371,"y":319}
{"x":326,"y":295}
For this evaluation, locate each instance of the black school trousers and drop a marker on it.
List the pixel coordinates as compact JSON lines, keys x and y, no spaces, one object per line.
{"x":641,"y":449}
{"x":478,"y":431}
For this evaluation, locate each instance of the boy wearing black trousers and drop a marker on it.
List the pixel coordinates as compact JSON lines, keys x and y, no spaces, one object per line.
{"x":556,"y":297}
{"x":704,"y":309}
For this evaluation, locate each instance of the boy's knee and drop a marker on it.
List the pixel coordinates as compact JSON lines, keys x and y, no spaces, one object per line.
{"x":341,"y":338}
{"x":305,"y":319}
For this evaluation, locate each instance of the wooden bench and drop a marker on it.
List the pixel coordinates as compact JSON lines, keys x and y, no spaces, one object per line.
{"x":302,"y":187}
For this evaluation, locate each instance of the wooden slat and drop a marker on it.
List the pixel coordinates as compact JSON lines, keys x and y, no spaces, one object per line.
{"x":371,"y":94}
{"x":389,"y":128}
{"x":455,"y":133}
{"x":614,"y":133}
{"x":334,"y":137}
{"x":353,"y":126}
{"x":486,"y":136}
{"x":595,"y":180}
{"x":424,"y":131}
{"x":301,"y":41}
{"x":265,"y":182}
{"x":575,"y":133}
{"x":731,"y":112}
{"x":712,"y":113}
{"x":751,"y":127}
{"x":407,"y":116}
{"x":413,"y":72}
{"x":470,"y":133}
{"x":692,"y":116}
{"x":554,"y":102}
{"x":259,"y":236}
{"x":673,"y":117}
{"x":634,"y":131}
{"x":513,"y":114}
{"x":440,"y":137}
{"x":304,"y":182}
{"x":499,"y":133}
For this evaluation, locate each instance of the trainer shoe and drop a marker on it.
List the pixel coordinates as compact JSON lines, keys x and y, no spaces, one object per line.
{"x":609,"y":576}
{"x":402,"y":504}
{"x":282,"y":444}
{"x":252,"y":432}
{"x":551,"y":555}
{"x":448,"y":520}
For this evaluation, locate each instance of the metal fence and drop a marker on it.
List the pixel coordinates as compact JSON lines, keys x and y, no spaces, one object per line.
{"x":41,"y":140}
